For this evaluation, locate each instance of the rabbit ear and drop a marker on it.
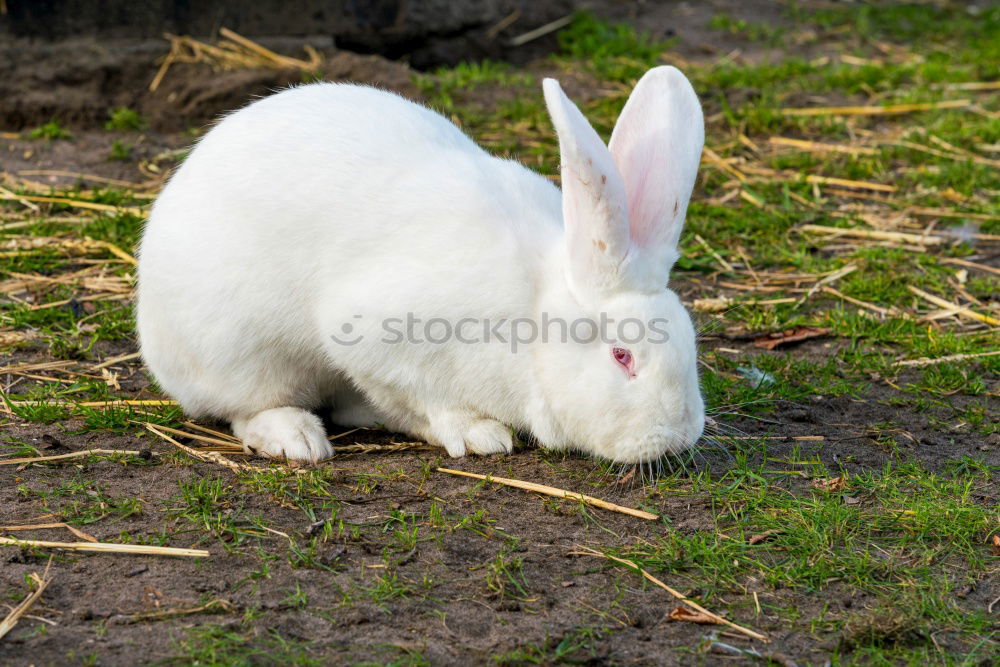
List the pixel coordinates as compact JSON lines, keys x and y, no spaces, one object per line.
{"x":595,"y":209}
{"x":657,"y":145}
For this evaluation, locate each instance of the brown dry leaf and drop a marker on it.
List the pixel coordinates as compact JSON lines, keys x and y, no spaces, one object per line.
{"x":761,"y":537}
{"x":771,"y":341}
{"x":995,"y":547}
{"x":832,"y":484}
{"x":685,"y":614}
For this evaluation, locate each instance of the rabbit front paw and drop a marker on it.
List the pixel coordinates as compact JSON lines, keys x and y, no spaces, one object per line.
{"x":462,"y":433}
{"x":488,"y":436}
{"x":291,"y":433}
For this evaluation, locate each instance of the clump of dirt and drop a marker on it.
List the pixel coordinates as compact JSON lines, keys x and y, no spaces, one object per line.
{"x":426,"y":33}
{"x":77,"y":81}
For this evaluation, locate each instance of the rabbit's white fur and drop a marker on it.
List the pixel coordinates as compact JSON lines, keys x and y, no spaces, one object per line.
{"x":325,"y":209}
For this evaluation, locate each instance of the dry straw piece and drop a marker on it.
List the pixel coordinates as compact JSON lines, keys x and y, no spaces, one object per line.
{"x":713,"y":158}
{"x":876,"y":234}
{"x":719,"y":304}
{"x":228,"y":443}
{"x":884,"y":312}
{"x":75,"y":203}
{"x":43,"y":366}
{"x":718,"y":258}
{"x":954,"y":153}
{"x":927,"y":361}
{"x":819,"y":147}
{"x":587,"y":551}
{"x":541,"y":31}
{"x":362,"y":448}
{"x":848,"y":183}
{"x":553,"y":491}
{"x":43,"y":526}
{"x":971,"y":265}
{"x":219,"y":443}
{"x":116,"y":360}
{"x":217,"y":603}
{"x":210,"y":456}
{"x":107,"y":547}
{"x":207,"y":456}
{"x":87,"y":404}
{"x":213,"y":432}
{"x":70,"y":456}
{"x":973,"y":85}
{"x":125,"y":403}
{"x":233,"y":52}
{"x":957,"y":309}
{"x":21,"y":609}
{"x":80,"y":176}
{"x":877,"y":110}
{"x":747,"y":196}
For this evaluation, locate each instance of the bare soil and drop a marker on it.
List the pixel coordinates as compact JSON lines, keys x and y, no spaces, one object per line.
{"x":450,"y":615}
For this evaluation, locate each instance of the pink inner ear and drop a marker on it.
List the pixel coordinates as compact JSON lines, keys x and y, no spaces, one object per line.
{"x":656,"y":145}
{"x":644,"y":168}
{"x":640,"y":226}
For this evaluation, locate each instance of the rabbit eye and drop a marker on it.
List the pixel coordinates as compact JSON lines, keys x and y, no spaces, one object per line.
{"x":624,"y":359}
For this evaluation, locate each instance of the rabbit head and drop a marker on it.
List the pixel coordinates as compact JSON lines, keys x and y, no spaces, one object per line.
{"x":630,"y":393}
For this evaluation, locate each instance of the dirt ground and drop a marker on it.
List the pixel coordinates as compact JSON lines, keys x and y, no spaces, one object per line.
{"x":269,"y":593}
{"x":461,"y":621}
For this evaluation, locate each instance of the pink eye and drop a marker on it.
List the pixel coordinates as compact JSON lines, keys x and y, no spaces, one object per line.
{"x":624,"y":359}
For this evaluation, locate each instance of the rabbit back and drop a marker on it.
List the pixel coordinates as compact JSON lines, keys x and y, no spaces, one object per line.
{"x":308,"y":207}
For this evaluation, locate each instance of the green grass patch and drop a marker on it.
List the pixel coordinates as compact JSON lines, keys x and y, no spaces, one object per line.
{"x":125,"y":119}
{"x":50,"y":131}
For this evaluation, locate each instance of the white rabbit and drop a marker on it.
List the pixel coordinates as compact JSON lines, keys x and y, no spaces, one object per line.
{"x":281,"y":262}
